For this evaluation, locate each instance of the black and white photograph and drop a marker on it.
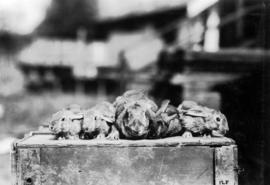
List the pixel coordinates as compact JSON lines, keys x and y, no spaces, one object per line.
{"x":134,"y":92}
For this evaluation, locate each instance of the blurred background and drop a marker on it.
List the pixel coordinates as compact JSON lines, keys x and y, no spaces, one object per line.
{"x":216,"y":52}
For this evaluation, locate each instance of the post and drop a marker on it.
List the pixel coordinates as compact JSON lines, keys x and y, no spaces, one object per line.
{"x":211,"y":37}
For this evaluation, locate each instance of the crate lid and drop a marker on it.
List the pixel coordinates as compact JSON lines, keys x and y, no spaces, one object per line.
{"x":41,"y":139}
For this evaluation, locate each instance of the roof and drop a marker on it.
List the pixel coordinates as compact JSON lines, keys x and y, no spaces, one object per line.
{"x":121,"y":8}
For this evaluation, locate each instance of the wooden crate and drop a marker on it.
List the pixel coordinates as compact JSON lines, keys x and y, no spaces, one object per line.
{"x":38,"y":159}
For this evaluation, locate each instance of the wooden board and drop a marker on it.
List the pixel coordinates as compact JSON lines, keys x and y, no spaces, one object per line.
{"x":226,"y":165}
{"x":40,"y":160}
{"x":47,"y":140}
{"x":110,"y":165}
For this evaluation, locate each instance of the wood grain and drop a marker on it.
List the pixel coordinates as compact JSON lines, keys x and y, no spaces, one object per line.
{"x":38,"y":159}
{"x":119,"y":166}
{"x":47,"y":140}
{"x":28,"y":167}
{"x":226,"y":165}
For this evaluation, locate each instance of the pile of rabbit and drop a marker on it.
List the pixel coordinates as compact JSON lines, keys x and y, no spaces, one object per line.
{"x":134,"y":116}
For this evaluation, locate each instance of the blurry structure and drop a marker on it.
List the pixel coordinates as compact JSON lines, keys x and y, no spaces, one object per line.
{"x":215,"y":52}
{"x":198,"y":86}
{"x":120,"y":8}
{"x":142,"y":29}
{"x":88,"y":48}
{"x":124,"y":69}
{"x":211,"y":38}
{"x":11,"y":78}
{"x":105,"y":36}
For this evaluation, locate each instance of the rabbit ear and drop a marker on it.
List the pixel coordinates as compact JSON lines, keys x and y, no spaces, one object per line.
{"x":118,"y":101}
{"x":186,"y":105}
{"x":196,"y":113}
{"x":56,"y":116}
{"x":151,"y":105}
{"x":163,"y":106}
{"x":119,"y":109}
{"x":151,"y":114}
{"x":107,"y":119}
{"x":76,"y":116}
{"x":169,"y":118}
{"x":122,"y":114}
{"x":134,"y":93}
{"x":143,"y":91}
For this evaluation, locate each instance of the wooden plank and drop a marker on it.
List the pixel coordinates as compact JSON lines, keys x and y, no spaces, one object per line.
{"x":47,"y":140}
{"x":28,"y":166}
{"x":226,"y":165}
{"x":13,"y":164}
{"x":127,"y":166}
{"x":41,"y":160}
